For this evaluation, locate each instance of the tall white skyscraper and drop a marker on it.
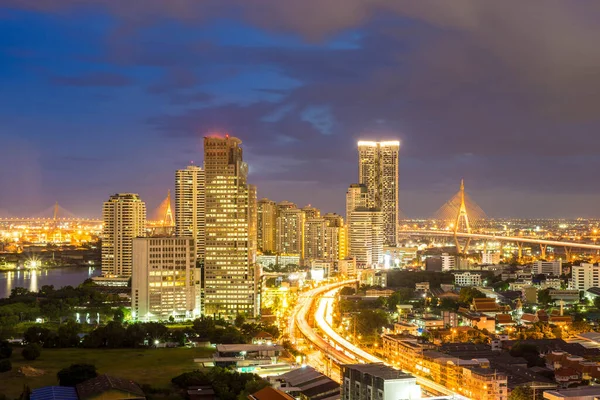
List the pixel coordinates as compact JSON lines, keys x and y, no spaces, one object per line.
{"x":230,"y":278}
{"x":365,"y":233}
{"x":190,"y":207}
{"x":165,"y":280}
{"x":124,"y":216}
{"x":378,"y":170}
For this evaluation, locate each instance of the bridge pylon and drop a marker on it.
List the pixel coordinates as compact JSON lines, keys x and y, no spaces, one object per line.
{"x":168,"y":218}
{"x":460,"y":215}
{"x":462,"y":218}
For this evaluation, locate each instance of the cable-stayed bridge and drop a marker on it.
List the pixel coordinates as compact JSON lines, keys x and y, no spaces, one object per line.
{"x":55,"y":213}
{"x":461,"y":218}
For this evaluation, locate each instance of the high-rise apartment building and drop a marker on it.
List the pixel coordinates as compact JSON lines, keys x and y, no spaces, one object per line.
{"x":356,"y":196}
{"x":585,"y":276}
{"x":230,"y":280}
{"x":266,"y":225}
{"x":315,"y":239}
{"x":290,"y":230}
{"x":336,"y":237}
{"x":124,"y":216}
{"x":165,"y":281}
{"x":365,"y":232}
{"x":311,"y":212}
{"x":190,"y":207}
{"x":378,"y":170}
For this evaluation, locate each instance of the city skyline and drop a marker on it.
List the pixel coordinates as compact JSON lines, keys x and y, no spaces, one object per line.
{"x":93,"y":103}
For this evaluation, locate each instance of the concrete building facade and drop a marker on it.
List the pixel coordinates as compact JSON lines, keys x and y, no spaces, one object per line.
{"x":230,"y":278}
{"x":190,"y":207}
{"x":165,"y":281}
{"x":124,"y":216}
{"x":378,"y":170}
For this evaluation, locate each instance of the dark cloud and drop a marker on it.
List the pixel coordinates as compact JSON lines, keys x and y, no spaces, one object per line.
{"x":105,"y":79}
{"x":174,"y":79}
{"x":503,"y":93}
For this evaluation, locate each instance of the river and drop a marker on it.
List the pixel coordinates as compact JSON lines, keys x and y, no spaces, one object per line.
{"x":33,"y":280}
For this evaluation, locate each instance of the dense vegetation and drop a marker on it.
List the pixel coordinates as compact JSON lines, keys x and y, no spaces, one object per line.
{"x":54,"y":305}
{"x":227,"y":384}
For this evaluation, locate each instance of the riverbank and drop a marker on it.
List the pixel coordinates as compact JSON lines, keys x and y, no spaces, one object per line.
{"x":41,"y":268}
{"x":34,"y":279}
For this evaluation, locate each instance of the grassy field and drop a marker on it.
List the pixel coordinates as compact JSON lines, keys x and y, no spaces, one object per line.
{"x":155,"y":367}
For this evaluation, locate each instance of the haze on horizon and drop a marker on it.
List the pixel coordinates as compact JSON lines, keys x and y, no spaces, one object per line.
{"x":99,"y":98}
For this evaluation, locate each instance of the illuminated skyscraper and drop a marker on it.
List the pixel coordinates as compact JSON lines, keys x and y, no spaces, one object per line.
{"x":290,"y":229}
{"x":378,"y":170}
{"x":124,"y":216}
{"x":365,"y":233}
{"x":165,"y":281}
{"x":315,"y":239}
{"x":267,"y":225}
{"x":190,"y":207}
{"x":229,"y":272}
{"x":356,"y":196}
{"x":311,"y":212}
{"x":335,"y":237}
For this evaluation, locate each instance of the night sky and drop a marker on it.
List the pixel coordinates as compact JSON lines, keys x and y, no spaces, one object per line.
{"x":99,"y":97}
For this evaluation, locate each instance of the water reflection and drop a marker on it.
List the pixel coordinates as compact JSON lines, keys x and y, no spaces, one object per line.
{"x":33,"y":282}
{"x":35,"y":279}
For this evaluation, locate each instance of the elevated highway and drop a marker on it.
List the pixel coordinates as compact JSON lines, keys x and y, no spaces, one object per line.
{"x":330,"y":343}
{"x":543,"y":243}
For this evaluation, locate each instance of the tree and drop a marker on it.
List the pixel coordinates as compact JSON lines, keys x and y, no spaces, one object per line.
{"x":68,"y":334}
{"x":370,"y":322}
{"x":467,"y":294}
{"x":401,"y":296}
{"x":5,"y":349}
{"x":119,"y":315}
{"x":544,"y":297}
{"x":529,"y":352}
{"x":5,"y":365}
{"x":580,"y":327}
{"x":31,"y":352}
{"x":136,"y":334}
{"x":347,"y":291}
{"x":76,"y":374}
{"x":448,"y":304}
{"x":597,"y":302}
{"x":36,"y":334}
{"x":521,"y":393}
{"x":239,"y":320}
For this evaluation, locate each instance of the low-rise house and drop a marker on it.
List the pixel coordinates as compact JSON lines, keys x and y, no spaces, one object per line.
{"x":201,"y":393}
{"x":566,"y":376}
{"x":486,"y":305}
{"x":479,"y":321}
{"x":308,"y":384}
{"x":579,"y":393}
{"x":263,"y":338}
{"x":270,"y":393}
{"x":504,"y":320}
{"x":54,"y":393}
{"x":429,"y":323}
{"x":106,"y":387}
{"x":244,"y":357}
